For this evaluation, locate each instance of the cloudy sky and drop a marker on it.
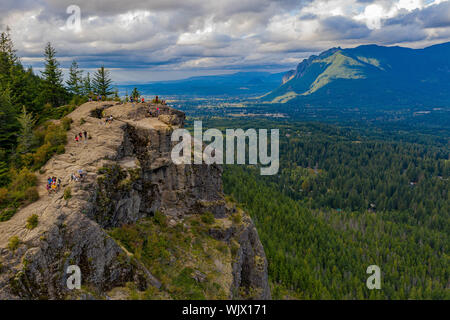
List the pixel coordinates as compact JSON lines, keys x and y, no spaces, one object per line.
{"x":147,"y":40}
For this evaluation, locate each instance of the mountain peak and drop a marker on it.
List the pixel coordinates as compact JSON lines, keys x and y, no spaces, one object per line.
{"x":350,"y":76}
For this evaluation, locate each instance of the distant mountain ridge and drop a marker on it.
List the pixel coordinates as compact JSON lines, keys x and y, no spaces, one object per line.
{"x":369,"y":75}
{"x":236,"y":84}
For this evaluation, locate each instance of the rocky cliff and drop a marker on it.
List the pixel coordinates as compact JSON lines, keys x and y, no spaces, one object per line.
{"x":137,"y":225}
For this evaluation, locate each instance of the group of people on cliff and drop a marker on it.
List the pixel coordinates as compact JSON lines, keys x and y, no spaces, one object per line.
{"x":53,"y":184}
{"x":79,"y":136}
{"x":156,"y":100}
{"x":78,"y":176}
{"x":95,"y":98}
{"x":136,"y":99}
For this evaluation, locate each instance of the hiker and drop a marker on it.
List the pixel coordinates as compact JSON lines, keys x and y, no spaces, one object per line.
{"x":85,"y":134}
{"x":57,"y":183}
{"x":80,"y":135}
{"x":157,"y":110}
{"x":76,"y":138}
{"x":142,"y":100}
{"x":80,"y":172}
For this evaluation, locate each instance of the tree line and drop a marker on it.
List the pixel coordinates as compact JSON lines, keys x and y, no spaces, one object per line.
{"x":27,"y":101}
{"x":346,"y":198}
{"x":25,"y":94}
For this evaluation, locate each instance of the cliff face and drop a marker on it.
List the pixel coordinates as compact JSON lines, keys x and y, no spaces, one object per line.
{"x":288,"y":76}
{"x":137,"y":225}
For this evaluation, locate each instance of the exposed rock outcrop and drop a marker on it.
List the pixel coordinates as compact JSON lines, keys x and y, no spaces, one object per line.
{"x":288,"y":76}
{"x":128,"y":176}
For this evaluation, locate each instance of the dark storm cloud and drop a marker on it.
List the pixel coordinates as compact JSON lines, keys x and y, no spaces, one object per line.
{"x":437,"y":16}
{"x":212,"y":35}
{"x":394,"y":34}
{"x":340,"y":27}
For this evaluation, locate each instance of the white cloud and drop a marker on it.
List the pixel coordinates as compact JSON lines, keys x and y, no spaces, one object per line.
{"x":191,"y":35}
{"x":372,"y":16}
{"x":410,"y":4}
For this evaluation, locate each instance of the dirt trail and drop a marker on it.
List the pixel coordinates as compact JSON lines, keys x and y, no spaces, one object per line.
{"x":86,"y":155}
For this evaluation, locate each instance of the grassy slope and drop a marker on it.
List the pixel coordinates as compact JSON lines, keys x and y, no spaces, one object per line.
{"x":176,"y":254}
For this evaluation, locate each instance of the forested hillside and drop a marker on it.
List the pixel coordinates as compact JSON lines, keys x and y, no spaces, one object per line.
{"x":29,"y":104}
{"x":345,"y":199}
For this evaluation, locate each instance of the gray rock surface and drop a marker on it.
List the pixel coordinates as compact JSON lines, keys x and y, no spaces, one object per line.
{"x":128,"y":176}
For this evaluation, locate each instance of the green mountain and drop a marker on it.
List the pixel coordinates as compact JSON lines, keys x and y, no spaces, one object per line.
{"x":369,"y":75}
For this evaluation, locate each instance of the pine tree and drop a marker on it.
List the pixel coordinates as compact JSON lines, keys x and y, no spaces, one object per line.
{"x":135,"y":94}
{"x":23,"y":84}
{"x":8,"y":57}
{"x":8,"y":129}
{"x":7,"y":46}
{"x":102,"y":82}
{"x":87,"y":87}
{"x":25,"y":89}
{"x":53,"y":91}
{"x":75,"y":82}
{"x":8,"y":122}
{"x":4,"y":169}
{"x":25,"y":138}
